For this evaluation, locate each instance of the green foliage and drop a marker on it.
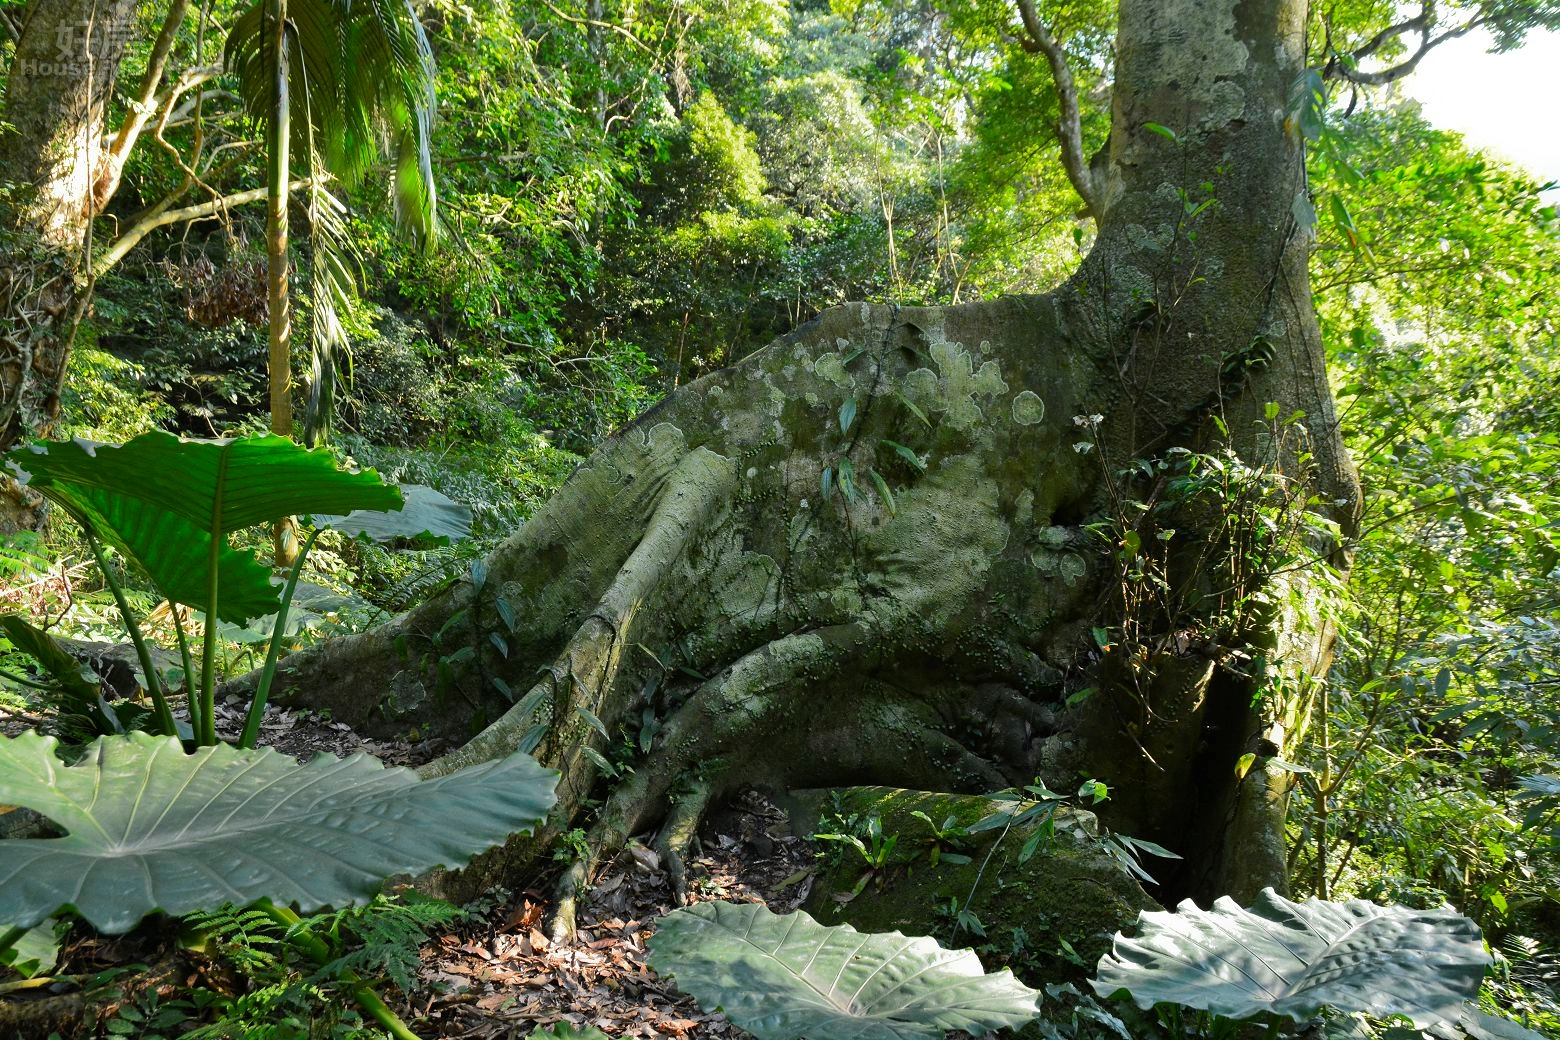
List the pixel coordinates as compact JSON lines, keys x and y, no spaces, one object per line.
{"x":288,"y":996}
{"x":36,"y":951}
{"x":874,"y":848}
{"x":1205,"y":546}
{"x":720,"y":161}
{"x":170,"y":504}
{"x":1443,"y":695}
{"x":150,"y":828}
{"x":71,"y":688}
{"x":1294,"y":959}
{"x":564,"y":1031}
{"x":1037,"y":804}
{"x":783,"y":977}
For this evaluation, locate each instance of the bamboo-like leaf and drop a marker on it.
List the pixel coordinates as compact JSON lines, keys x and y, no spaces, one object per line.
{"x":1296,"y":958}
{"x":905,"y":453}
{"x":333,"y":292}
{"x":362,"y":73}
{"x":149,"y":827}
{"x":786,"y":977}
{"x":882,"y":489}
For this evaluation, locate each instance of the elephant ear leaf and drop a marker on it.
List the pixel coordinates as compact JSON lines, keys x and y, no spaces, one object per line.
{"x":426,"y":512}
{"x":149,"y":827}
{"x":1296,"y":958}
{"x":782,"y":977}
{"x":163,"y":500}
{"x":218,"y":485}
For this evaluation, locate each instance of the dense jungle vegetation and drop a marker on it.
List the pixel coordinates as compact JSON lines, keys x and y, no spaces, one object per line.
{"x":631,"y":196}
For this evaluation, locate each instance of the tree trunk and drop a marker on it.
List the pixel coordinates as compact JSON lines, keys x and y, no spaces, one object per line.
{"x":278,"y":268}
{"x":55,"y":162}
{"x":894,"y":547}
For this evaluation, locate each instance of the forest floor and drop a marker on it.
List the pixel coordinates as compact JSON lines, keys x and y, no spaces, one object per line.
{"x":496,"y":974}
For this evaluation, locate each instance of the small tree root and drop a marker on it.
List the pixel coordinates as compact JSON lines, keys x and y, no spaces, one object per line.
{"x":678,"y":834}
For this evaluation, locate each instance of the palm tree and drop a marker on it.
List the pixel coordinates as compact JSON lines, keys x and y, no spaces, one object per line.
{"x":361,"y":73}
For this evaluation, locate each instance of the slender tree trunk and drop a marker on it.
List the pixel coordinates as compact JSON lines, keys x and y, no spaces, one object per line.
{"x":278,"y":139}
{"x":53,"y":163}
{"x":898,"y":545}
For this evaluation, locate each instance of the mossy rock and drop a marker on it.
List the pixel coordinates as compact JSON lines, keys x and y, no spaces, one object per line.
{"x":1069,"y":891}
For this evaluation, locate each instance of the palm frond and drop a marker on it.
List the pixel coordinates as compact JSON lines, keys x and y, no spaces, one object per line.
{"x":333,"y":285}
{"x":363,"y":71}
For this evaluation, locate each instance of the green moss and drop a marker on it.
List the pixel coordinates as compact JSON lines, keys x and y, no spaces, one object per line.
{"x":1069,"y":890}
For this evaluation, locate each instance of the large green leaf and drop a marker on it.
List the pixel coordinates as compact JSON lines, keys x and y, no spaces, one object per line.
{"x":425,"y":512}
{"x":1296,"y":958}
{"x":217,"y":485}
{"x":152,"y":828}
{"x":173,"y":552}
{"x":36,"y":952}
{"x":785,"y":977}
{"x":162,"y":499}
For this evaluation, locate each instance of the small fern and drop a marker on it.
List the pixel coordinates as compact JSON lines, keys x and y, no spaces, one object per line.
{"x":19,"y":558}
{"x":247,"y":939}
{"x":424,"y":573}
{"x":290,"y":999}
{"x":387,"y":935}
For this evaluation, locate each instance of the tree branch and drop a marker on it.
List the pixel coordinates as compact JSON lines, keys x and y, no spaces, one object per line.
{"x":596,"y":23}
{"x":1418,"y":23}
{"x":1069,"y":129}
{"x":141,"y":107}
{"x":161,"y":216}
{"x":1346,"y":67}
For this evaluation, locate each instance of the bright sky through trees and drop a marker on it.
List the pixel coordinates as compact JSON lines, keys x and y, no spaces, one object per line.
{"x":1498,"y":101}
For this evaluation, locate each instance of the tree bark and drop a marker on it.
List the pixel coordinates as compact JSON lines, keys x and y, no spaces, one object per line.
{"x":873,"y":552}
{"x":54,"y":162}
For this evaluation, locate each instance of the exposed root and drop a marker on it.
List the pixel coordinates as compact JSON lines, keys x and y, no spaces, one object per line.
{"x":727,"y":711}
{"x":678,"y":834}
{"x":590,"y":662}
{"x":618,"y":820}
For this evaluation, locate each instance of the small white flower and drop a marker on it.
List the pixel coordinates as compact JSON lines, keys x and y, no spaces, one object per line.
{"x":1083,"y":447}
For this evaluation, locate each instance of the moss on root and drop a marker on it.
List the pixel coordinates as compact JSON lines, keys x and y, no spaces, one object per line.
{"x":1070,"y":891}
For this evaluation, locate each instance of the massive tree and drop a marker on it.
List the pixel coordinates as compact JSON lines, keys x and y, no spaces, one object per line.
{"x":1072,"y":534}
{"x":956,"y":547}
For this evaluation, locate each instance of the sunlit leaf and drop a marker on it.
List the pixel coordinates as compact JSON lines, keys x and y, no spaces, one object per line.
{"x":1296,"y":958}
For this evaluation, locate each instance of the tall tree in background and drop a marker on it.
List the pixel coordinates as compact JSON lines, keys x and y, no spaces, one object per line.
{"x":361,"y":76}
